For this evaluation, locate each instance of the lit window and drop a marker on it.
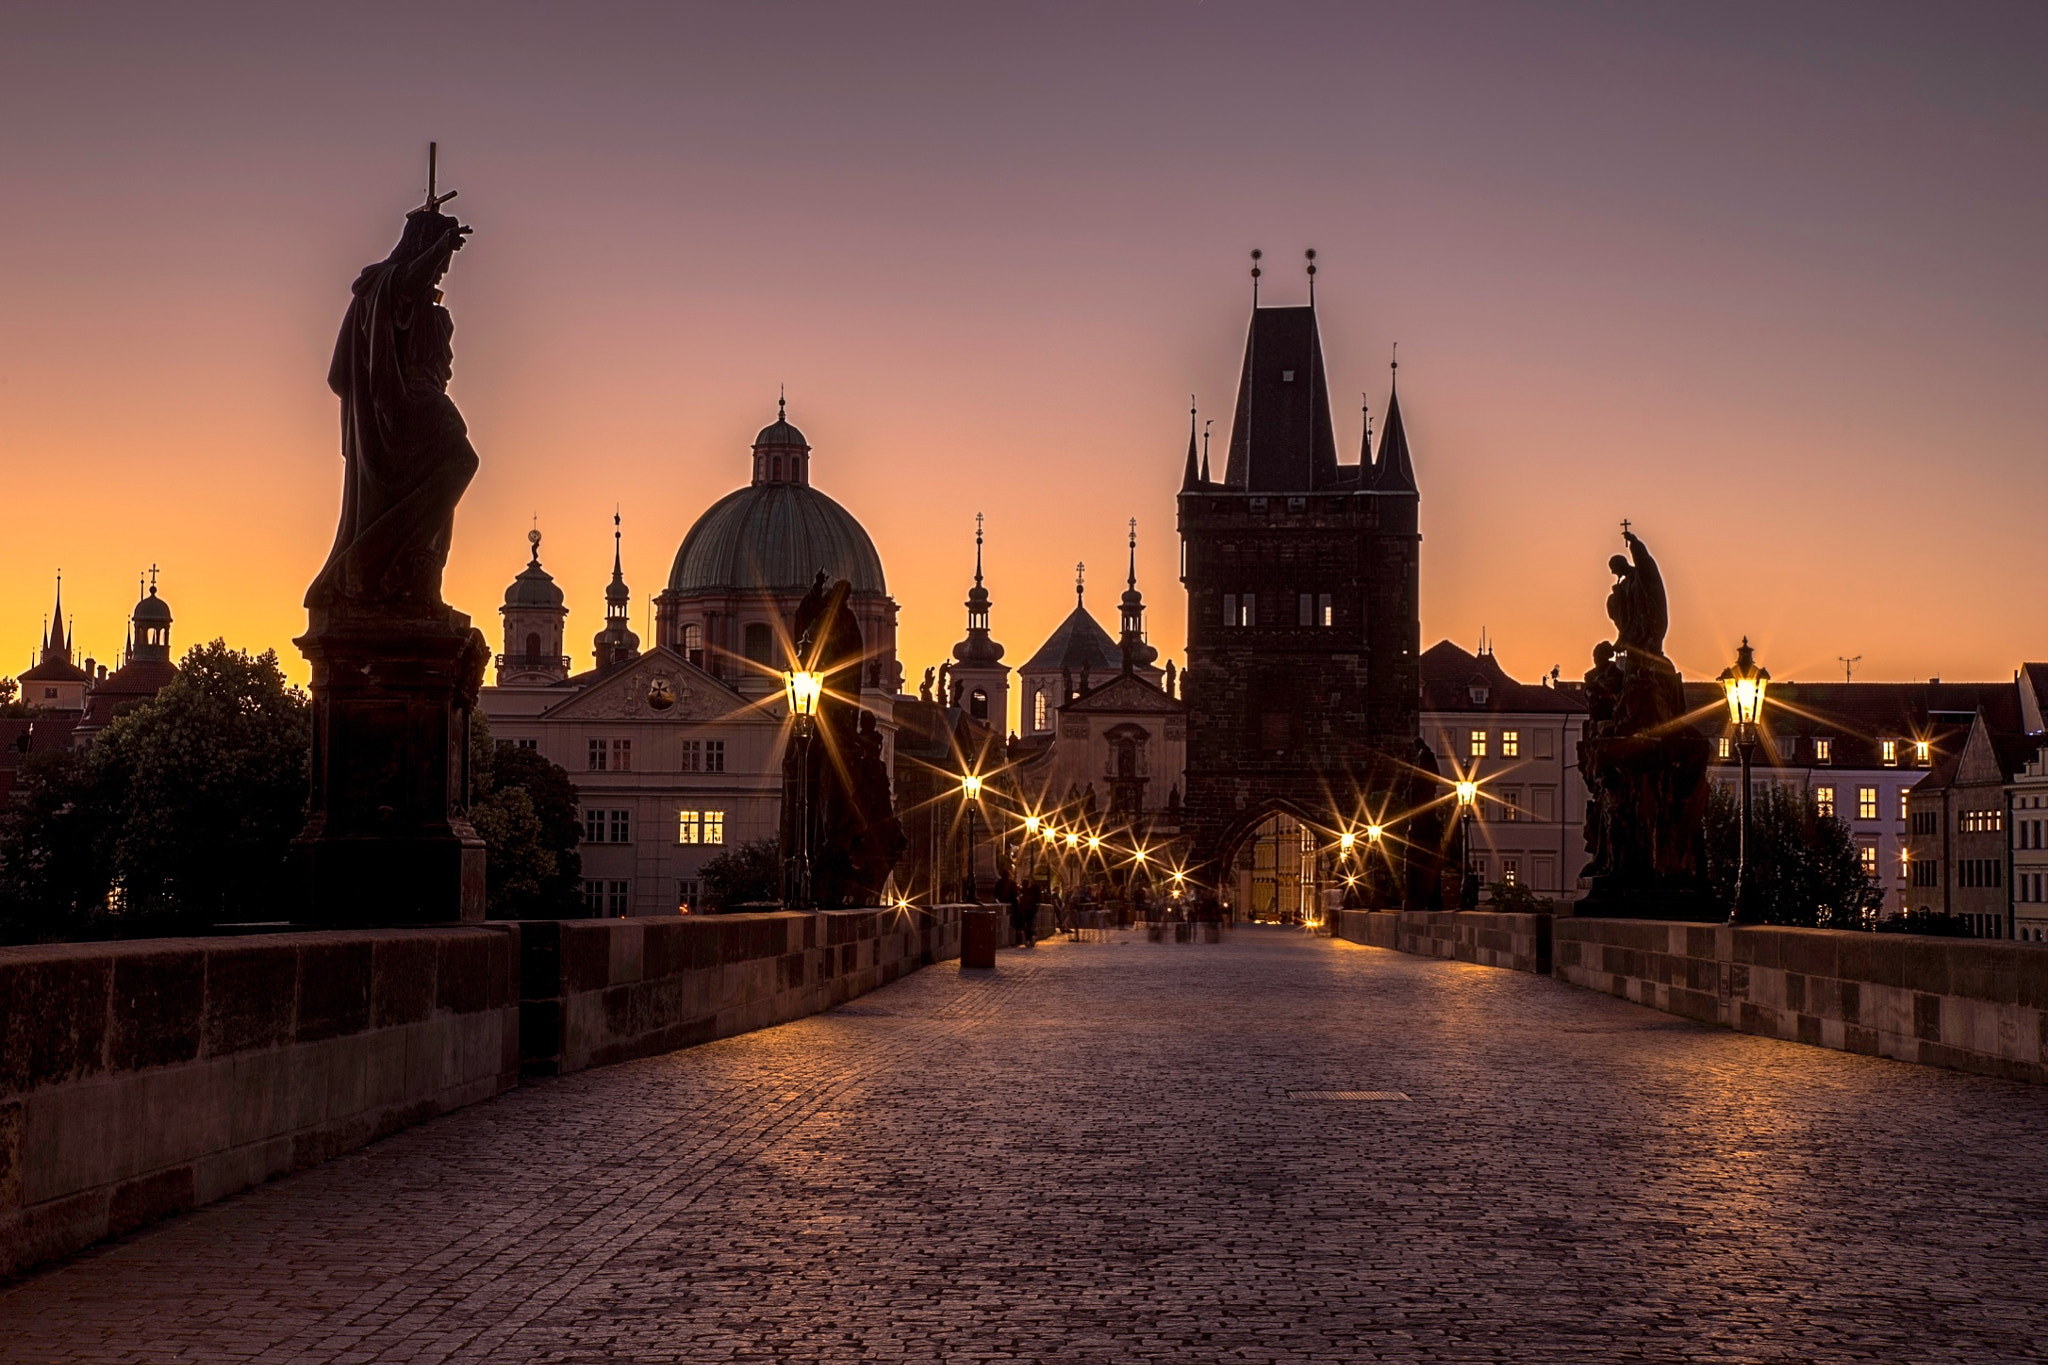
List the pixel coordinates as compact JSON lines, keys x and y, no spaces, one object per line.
{"x":1721,"y":751}
{"x":1477,"y":748}
{"x":1510,"y":870}
{"x":1823,"y":750}
{"x":597,"y":755}
{"x":1867,"y":855}
{"x":714,"y":826}
{"x":1511,"y":744}
{"x":1248,"y":610}
{"x":1922,"y":751}
{"x":1326,"y":615}
{"x":1824,"y":802}
{"x":689,"y":827}
{"x":1866,"y":803}
{"x":1902,"y":802}
{"x":1890,"y":750}
{"x":1039,"y":719}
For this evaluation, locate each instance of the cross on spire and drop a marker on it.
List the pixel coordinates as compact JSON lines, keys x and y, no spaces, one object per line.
{"x":1080,"y":580}
{"x":977,"y":549}
{"x":1132,"y":581}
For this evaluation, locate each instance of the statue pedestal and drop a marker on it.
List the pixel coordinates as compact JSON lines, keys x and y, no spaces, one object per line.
{"x":387,"y":838}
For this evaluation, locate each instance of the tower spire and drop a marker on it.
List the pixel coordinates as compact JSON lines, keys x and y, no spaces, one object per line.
{"x":1205,"y":447}
{"x":1311,"y":255}
{"x":1394,"y":471}
{"x":1191,"y":477}
{"x":1136,"y":652}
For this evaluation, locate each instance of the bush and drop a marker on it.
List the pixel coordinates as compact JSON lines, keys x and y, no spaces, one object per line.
{"x":1804,"y":868}
{"x":747,"y":874}
{"x":1941,"y":923}
{"x":1513,"y":898}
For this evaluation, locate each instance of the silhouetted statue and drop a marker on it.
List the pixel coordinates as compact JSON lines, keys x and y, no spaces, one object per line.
{"x":396,"y":671}
{"x":1425,"y":862}
{"x":1636,"y":604}
{"x":405,"y":449}
{"x":924,"y":689}
{"x":1644,"y":764}
{"x":1172,"y":674}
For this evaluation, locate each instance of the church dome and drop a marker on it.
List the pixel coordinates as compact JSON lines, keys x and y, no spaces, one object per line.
{"x":535,"y":586}
{"x":775,"y":538}
{"x":152,"y":610}
{"x":779,"y":433}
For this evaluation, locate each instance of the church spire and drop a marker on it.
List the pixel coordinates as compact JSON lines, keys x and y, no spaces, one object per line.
{"x":1136,"y":652}
{"x":1191,"y":477}
{"x":977,"y":648}
{"x":56,"y":647}
{"x":1394,"y":472}
{"x":617,"y":643}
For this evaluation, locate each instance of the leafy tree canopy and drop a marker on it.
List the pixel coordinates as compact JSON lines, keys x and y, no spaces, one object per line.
{"x":1804,"y":867}
{"x":747,"y":873}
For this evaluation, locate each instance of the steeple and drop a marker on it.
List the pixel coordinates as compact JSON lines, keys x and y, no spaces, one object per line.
{"x":616,"y":643}
{"x":1393,"y":472}
{"x":150,"y":625}
{"x":1191,"y":477}
{"x":978,"y":680}
{"x":977,"y":648}
{"x":1136,"y":652}
{"x":56,"y":647}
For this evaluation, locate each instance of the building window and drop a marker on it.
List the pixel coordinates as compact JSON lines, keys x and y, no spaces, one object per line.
{"x":1477,"y":745}
{"x":1823,"y":751}
{"x":593,"y":827}
{"x":714,"y":755}
{"x":1308,"y":609}
{"x":1722,"y":750}
{"x":1889,"y":749}
{"x":703,"y":756}
{"x":1511,"y":803}
{"x":1040,"y":720}
{"x":1902,"y":802}
{"x":1824,"y":802}
{"x":1511,"y":744}
{"x":693,"y":644}
{"x":607,"y":826}
{"x":759,"y":642}
{"x":622,"y":755}
{"x":597,"y":752}
{"x":532,"y":645}
{"x":1510,"y":871}
{"x":686,"y":894}
{"x":615,"y":898}
{"x":622,"y":827}
{"x":700,"y":827}
{"x":1866,"y":803}
{"x":1922,"y":752}
{"x":1545,"y":747}
{"x":977,"y":703}
{"x":593,"y":897}
{"x":1546,"y":802}
{"x":527,"y":743}
{"x":1866,"y":854}
{"x":1788,"y":745}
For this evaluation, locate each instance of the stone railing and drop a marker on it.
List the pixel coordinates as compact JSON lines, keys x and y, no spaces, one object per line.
{"x":594,"y":992}
{"x":1974,"y":1005}
{"x":140,"y":1079}
{"x":1517,"y":942}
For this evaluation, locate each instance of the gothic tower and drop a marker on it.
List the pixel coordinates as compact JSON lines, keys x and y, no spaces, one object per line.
{"x":1302,"y":683}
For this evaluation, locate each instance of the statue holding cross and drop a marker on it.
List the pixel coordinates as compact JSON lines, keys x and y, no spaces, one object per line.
{"x":405,"y":449}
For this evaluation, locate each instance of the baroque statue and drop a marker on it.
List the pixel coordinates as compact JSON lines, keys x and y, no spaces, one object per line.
{"x":396,"y":671}
{"x":1643,"y":761}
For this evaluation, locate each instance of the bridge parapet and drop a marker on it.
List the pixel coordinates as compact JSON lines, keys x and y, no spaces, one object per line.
{"x":1517,"y":942}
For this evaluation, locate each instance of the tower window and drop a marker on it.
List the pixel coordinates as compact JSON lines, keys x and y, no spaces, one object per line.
{"x":977,"y":703}
{"x":1039,"y":719}
{"x":532,"y":645}
{"x":693,"y":644}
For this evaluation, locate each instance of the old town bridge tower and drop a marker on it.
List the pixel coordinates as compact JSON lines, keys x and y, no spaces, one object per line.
{"x":1302,"y":682}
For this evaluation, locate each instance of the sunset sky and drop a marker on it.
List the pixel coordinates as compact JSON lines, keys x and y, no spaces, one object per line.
{"x":1768,"y":280}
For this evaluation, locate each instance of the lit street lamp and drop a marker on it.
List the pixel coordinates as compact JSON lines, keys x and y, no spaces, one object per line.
{"x":804,"y":688}
{"x":970,"y":793}
{"x":1744,"y":684}
{"x":1468,"y":800}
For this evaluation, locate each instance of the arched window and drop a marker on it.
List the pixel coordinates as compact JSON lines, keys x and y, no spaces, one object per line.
{"x":760,"y":642}
{"x":1039,"y":719}
{"x":533,"y":645}
{"x":977,"y":703}
{"x":693,"y":643}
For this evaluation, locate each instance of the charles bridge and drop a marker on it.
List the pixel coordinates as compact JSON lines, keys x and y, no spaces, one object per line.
{"x":791,"y":1136}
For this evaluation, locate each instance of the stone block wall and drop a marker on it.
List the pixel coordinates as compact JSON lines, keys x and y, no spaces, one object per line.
{"x":1971,"y":1004}
{"x":1519,"y":943}
{"x":141,"y":1079}
{"x":594,"y":992}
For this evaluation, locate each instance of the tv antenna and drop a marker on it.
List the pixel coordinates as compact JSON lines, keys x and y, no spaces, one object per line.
{"x":1848,"y":664}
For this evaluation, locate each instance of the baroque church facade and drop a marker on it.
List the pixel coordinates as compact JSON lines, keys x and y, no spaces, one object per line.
{"x":676,"y":749}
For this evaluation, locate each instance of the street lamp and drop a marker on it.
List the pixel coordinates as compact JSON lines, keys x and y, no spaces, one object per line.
{"x":1468,"y":801}
{"x":970,"y":792}
{"x":804,"y":688}
{"x":1744,"y":685}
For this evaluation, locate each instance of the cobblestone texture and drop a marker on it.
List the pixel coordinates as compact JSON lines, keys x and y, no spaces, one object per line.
{"x":1090,"y":1156}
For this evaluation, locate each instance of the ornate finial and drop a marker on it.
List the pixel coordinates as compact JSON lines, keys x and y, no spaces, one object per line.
{"x":1256,"y":254}
{"x":1395,"y":363}
{"x":1080,"y":581}
{"x":1365,"y":407}
{"x":1207,"y":423}
{"x":977,"y":549}
{"x":1311,"y":255}
{"x":152,"y":580}
{"x":1132,"y":581}
{"x":782,"y":402}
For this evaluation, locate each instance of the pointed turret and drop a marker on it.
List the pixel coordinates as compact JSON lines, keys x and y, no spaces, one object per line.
{"x":980,"y":680}
{"x":616,"y":643}
{"x":56,"y":648}
{"x":1281,"y":439}
{"x":1136,"y":652}
{"x":1393,"y":472}
{"x":1192,"y":477}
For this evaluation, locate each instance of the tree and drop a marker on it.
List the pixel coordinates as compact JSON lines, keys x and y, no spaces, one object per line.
{"x":55,"y":859}
{"x":1804,"y":867}
{"x":203,"y":788}
{"x":12,"y":706}
{"x":524,"y":808}
{"x":748,"y":873}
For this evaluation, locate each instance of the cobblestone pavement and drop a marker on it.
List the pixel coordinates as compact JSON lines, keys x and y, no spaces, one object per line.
{"x":1091,"y":1155}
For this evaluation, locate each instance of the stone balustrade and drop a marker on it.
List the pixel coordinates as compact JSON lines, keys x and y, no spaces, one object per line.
{"x":1519,"y":942}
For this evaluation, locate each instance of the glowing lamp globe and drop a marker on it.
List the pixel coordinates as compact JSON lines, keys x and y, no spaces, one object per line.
{"x":804,"y":688}
{"x":1744,"y":684}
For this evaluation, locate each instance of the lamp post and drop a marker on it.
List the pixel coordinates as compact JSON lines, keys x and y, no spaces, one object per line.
{"x":1744,"y":684}
{"x":970,"y":794}
{"x":1468,"y":800}
{"x":803,"y":687}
